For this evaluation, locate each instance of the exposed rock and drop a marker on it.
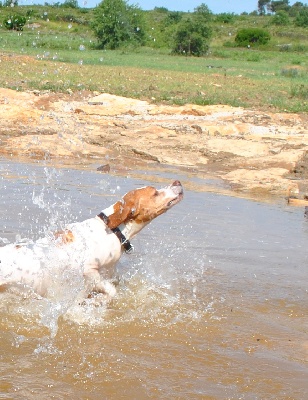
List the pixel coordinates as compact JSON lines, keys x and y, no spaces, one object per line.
{"x":250,"y":150}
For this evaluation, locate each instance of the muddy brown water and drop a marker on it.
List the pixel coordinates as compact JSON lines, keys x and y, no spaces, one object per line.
{"x":211,"y":305}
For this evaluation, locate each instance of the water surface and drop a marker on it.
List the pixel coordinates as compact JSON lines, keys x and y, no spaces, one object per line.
{"x":211,"y":305}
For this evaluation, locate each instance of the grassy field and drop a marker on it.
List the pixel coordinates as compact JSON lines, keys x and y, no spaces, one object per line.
{"x":61,"y":55}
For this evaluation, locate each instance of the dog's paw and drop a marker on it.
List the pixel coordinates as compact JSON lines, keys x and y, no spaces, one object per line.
{"x":109,"y":289}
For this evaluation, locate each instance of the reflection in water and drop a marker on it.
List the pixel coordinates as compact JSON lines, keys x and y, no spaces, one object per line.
{"x":212,"y":304}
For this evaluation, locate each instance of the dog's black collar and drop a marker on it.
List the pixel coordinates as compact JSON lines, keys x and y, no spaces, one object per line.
{"x":124,"y":242}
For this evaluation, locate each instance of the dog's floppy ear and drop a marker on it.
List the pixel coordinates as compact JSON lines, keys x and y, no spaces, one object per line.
{"x":123,"y":211}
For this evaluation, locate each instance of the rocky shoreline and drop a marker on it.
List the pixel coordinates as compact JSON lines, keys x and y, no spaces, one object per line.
{"x":240,"y":151}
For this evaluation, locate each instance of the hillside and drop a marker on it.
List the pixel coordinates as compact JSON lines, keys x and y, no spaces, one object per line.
{"x":272,"y":76}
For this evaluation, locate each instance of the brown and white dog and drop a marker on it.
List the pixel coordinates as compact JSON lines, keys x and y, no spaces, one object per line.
{"x":90,"y":248}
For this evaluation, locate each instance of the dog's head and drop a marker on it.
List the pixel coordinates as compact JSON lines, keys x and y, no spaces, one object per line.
{"x":142,"y":205}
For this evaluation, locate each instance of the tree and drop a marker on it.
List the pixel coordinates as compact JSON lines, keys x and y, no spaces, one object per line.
{"x":279,"y":5}
{"x":225,"y":18}
{"x":116,"y":23}
{"x":262,"y":4}
{"x":193,"y":33}
{"x":203,"y":13}
{"x":295,"y":8}
{"x":10,"y":3}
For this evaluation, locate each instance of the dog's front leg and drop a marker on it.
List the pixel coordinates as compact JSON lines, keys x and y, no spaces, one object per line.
{"x":94,"y":283}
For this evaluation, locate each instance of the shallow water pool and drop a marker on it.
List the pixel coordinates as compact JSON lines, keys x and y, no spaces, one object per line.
{"x":211,"y":305}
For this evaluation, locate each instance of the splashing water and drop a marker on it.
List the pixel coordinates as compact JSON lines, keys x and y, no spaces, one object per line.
{"x":213,"y":290}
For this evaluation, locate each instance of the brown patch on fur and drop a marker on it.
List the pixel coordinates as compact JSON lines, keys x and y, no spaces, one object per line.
{"x":64,"y":237}
{"x":141,"y":205}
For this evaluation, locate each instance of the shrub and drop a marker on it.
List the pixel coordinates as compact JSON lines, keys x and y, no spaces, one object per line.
{"x":252,"y":36}
{"x":15,"y":22}
{"x":173,"y":17}
{"x":302,"y":18}
{"x":69,"y":4}
{"x":280,"y":18}
{"x":225,"y":18}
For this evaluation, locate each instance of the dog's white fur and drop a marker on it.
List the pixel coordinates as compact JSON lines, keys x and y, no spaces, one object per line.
{"x":89,"y":248}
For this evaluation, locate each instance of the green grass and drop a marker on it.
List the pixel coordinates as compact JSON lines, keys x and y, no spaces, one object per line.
{"x":62,"y":55}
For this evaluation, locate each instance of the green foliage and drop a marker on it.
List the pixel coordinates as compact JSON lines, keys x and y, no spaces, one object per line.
{"x":173,"y":17}
{"x":279,"y":5}
{"x":302,"y":18}
{"x":162,"y":10}
{"x":295,"y":8}
{"x":188,"y":40}
{"x":193,"y":33}
{"x":280,"y":18}
{"x":300,"y":91}
{"x":70,"y":4}
{"x":262,"y":4}
{"x":203,"y":13}
{"x":10,"y":3}
{"x":15,"y":22}
{"x":252,"y":36}
{"x":116,"y":23}
{"x":225,"y":18}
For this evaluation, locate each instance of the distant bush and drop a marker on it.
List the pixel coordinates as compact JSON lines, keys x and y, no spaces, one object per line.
{"x":173,"y":17}
{"x":70,"y":4}
{"x":66,"y":4}
{"x":280,"y":18}
{"x":252,"y":36}
{"x":225,"y":18}
{"x":15,"y":22}
{"x":302,"y":18}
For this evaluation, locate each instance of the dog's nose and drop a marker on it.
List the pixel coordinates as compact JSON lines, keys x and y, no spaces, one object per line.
{"x":176,"y":183}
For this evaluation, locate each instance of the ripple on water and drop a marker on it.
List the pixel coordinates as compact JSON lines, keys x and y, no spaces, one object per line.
{"x":212,"y":304}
